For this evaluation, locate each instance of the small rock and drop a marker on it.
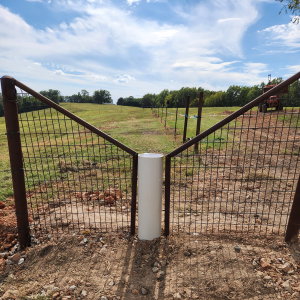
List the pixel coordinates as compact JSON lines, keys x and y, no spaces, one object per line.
{"x":15,"y":258}
{"x":160,"y":275}
{"x":267,"y":277}
{"x":103,"y":298}
{"x":135,"y":292}
{"x":49,"y":236}
{"x":187,"y":253}
{"x":163,"y":263}
{"x":237,"y":249}
{"x":55,"y":295}
{"x":111,"y":283}
{"x":144,"y":291}
{"x":254,"y":263}
{"x":286,"y":267}
{"x":195,"y":234}
{"x":85,"y":240}
{"x":88,"y":284}
{"x":156,"y":264}
{"x":9,"y":262}
{"x":83,"y":293}
{"x":280,"y":260}
{"x":73,"y":287}
{"x":4,"y":254}
{"x":176,"y":296}
{"x":155,"y":270}
{"x":265,"y":264}
{"x":103,"y":250}
{"x":287,"y":286}
{"x":21,"y":261}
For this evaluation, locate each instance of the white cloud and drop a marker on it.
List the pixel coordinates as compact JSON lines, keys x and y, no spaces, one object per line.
{"x":130,"y":2}
{"x":123,"y":78}
{"x":229,"y":20}
{"x":63,"y":25}
{"x":99,"y":77}
{"x":204,"y":64}
{"x":37,"y":63}
{"x":105,"y":39}
{"x":285,"y":35}
{"x":256,"y":68}
{"x":59,"y":72}
{"x":34,"y":0}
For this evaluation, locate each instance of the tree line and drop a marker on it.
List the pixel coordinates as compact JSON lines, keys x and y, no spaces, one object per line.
{"x":29,"y":103}
{"x":235,"y":95}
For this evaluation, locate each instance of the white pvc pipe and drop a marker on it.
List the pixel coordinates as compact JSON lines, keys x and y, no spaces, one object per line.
{"x":150,"y":179}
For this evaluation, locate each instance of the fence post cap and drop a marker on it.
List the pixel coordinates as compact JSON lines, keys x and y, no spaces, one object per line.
{"x":6,"y":77}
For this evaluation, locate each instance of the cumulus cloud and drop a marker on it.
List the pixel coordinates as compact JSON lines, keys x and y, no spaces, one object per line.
{"x":37,"y":63}
{"x":123,"y":78}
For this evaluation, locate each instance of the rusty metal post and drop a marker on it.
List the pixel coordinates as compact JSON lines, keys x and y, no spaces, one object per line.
{"x":294,"y":220}
{"x":167,"y":195}
{"x":133,"y":192}
{"x":186,"y":117}
{"x":10,"y":106}
{"x":199,"y":118}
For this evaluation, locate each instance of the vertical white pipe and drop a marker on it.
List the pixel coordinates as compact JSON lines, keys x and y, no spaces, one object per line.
{"x":150,"y":179}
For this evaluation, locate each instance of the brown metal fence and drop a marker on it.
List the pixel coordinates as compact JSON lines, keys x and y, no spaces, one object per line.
{"x":71,"y":175}
{"x":243,"y":177}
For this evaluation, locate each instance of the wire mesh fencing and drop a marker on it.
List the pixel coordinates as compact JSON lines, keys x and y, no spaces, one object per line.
{"x":76,"y":180}
{"x":244,"y":176}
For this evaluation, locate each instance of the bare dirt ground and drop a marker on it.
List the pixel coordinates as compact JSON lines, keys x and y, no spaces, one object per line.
{"x":117,"y":266}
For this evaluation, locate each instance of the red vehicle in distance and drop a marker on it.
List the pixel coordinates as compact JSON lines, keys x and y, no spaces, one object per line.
{"x":273,"y":101}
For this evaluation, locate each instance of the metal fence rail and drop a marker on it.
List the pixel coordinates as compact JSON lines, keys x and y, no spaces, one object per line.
{"x":76,"y":176}
{"x":242,"y":178}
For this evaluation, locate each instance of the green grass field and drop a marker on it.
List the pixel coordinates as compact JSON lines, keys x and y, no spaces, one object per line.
{"x":137,"y":128}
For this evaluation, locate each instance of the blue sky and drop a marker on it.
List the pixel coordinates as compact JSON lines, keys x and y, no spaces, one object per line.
{"x":132,"y":47}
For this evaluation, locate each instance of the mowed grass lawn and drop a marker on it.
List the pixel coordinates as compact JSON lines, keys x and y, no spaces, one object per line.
{"x":137,"y":128}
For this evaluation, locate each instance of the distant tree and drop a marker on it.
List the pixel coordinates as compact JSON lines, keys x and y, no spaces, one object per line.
{"x":147,"y":100}
{"x":102,"y":96}
{"x":215,"y":100}
{"x":131,"y":101}
{"x":293,"y":7}
{"x":120,"y":101}
{"x":53,"y":95}
{"x":85,"y":97}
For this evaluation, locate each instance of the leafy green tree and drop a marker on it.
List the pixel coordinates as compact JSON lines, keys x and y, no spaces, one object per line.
{"x":215,"y":100}
{"x":53,"y":95}
{"x":293,"y":7}
{"x":102,"y":96}
{"x":147,"y":100}
{"x":85,"y":97}
{"x":120,"y":101}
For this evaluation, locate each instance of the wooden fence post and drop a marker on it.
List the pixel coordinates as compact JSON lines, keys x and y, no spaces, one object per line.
{"x":10,"y":106}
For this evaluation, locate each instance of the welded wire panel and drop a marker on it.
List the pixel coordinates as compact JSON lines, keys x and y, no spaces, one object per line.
{"x":244,"y":177}
{"x":75,"y":180}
